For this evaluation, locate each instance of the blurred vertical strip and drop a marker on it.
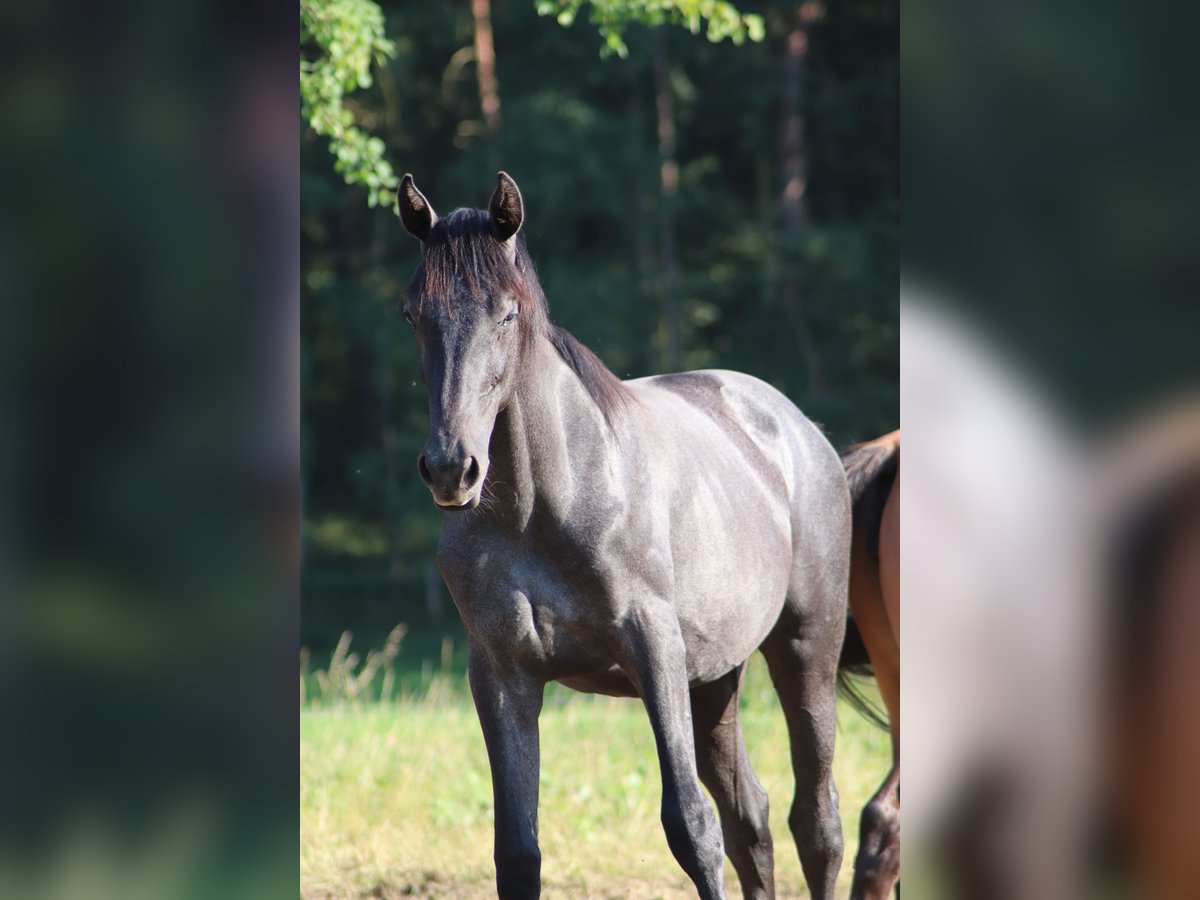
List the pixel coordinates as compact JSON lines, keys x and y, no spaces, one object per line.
{"x":1050,"y":400}
{"x":1049,"y":163}
{"x":149,"y":449}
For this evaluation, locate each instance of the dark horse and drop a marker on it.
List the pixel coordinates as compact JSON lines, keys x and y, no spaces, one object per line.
{"x":638,"y":539}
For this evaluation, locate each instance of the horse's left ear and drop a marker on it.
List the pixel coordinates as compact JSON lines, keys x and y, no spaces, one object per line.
{"x":506,"y":208}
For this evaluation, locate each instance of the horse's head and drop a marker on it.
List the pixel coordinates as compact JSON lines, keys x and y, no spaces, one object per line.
{"x":471,"y":303}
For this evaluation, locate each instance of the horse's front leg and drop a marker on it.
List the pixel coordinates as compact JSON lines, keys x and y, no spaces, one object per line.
{"x":508,"y":701}
{"x":654,"y":658}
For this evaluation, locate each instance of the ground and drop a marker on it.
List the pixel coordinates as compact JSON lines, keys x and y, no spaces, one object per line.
{"x":395,"y":797}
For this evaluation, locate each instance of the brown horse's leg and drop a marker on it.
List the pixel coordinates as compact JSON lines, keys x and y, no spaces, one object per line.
{"x":803,"y":670}
{"x":725,"y":770}
{"x":877,"y":866}
{"x":873,"y":590}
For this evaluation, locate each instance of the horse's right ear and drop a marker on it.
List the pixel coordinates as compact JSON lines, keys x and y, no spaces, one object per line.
{"x":415,"y":211}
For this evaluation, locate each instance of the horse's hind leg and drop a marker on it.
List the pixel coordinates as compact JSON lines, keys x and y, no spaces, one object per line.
{"x":877,"y":867}
{"x":725,"y":770}
{"x":802,"y":654}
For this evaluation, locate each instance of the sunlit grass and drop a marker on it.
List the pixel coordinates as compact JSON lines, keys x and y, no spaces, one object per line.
{"x":395,"y":798}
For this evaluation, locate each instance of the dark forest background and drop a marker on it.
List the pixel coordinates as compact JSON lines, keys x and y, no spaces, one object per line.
{"x":692,"y":205}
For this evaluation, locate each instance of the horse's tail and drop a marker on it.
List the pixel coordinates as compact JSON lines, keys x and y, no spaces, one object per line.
{"x":854,"y":663}
{"x":870,"y":472}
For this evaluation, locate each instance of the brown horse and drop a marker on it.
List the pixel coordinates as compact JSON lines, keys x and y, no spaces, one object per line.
{"x":1152,"y":552}
{"x":873,"y":472}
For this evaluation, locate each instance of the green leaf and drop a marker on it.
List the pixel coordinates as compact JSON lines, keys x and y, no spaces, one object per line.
{"x":349,"y":36}
{"x":612,"y":17}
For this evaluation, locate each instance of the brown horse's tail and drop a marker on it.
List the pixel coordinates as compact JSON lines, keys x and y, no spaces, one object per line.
{"x":870,"y":472}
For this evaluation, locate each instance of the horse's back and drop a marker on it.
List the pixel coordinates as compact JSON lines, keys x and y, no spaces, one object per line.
{"x":766,"y":428}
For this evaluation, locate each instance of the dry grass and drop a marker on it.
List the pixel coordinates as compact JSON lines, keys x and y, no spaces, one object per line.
{"x":396,"y":797}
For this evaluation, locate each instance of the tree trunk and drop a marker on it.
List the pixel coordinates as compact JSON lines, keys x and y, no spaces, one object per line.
{"x":640,"y":222}
{"x":891,"y":109}
{"x":390,"y":441}
{"x":794,"y":208}
{"x":389,"y":437}
{"x":669,"y":189}
{"x":485,"y":66}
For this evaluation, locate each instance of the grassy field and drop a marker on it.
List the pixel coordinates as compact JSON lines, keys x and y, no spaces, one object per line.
{"x":395,"y":796}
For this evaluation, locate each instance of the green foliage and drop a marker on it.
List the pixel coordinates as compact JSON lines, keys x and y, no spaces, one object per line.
{"x":340,"y":40}
{"x":612,"y":17}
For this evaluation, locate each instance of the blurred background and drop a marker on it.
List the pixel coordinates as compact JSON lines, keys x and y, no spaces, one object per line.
{"x":149,"y":450}
{"x":689,"y":204}
{"x":1050,"y":376}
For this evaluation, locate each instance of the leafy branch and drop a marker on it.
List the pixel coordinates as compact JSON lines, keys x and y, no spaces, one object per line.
{"x":612,"y":17}
{"x":340,"y":40}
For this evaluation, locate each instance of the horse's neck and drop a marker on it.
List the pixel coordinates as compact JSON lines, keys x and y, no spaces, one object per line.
{"x":538,"y":438}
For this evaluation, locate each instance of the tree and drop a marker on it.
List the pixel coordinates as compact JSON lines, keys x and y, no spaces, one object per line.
{"x":339,"y":42}
{"x":795,"y":183}
{"x":720,"y":19}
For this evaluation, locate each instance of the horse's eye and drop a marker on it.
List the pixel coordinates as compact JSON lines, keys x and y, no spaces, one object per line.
{"x":409,"y":318}
{"x":512,"y":315}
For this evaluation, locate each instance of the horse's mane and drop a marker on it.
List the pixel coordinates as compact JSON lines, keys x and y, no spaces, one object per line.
{"x":462,"y":246}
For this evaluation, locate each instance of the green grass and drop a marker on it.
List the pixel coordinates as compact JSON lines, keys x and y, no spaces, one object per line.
{"x":395,"y":797}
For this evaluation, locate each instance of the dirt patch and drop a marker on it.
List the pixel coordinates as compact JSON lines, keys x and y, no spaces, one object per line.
{"x":440,"y":886}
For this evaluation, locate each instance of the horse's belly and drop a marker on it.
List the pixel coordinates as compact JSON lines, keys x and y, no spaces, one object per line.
{"x":612,"y":681}
{"x":731,"y":580}
{"x":720,"y":632}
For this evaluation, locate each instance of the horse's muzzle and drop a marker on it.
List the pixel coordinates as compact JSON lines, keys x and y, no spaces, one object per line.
{"x":454,"y":480}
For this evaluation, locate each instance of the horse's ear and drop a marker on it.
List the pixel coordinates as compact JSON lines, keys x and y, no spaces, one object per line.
{"x":506,"y":208}
{"x":415,"y":211}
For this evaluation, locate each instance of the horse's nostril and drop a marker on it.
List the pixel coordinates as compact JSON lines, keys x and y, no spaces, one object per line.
{"x":424,"y":469}
{"x":472,"y":473}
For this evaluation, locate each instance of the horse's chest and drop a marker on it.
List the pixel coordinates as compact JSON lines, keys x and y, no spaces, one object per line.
{"x":546,"y":616}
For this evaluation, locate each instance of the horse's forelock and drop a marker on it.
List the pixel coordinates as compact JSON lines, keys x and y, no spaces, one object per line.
{"x":462,"y":246}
